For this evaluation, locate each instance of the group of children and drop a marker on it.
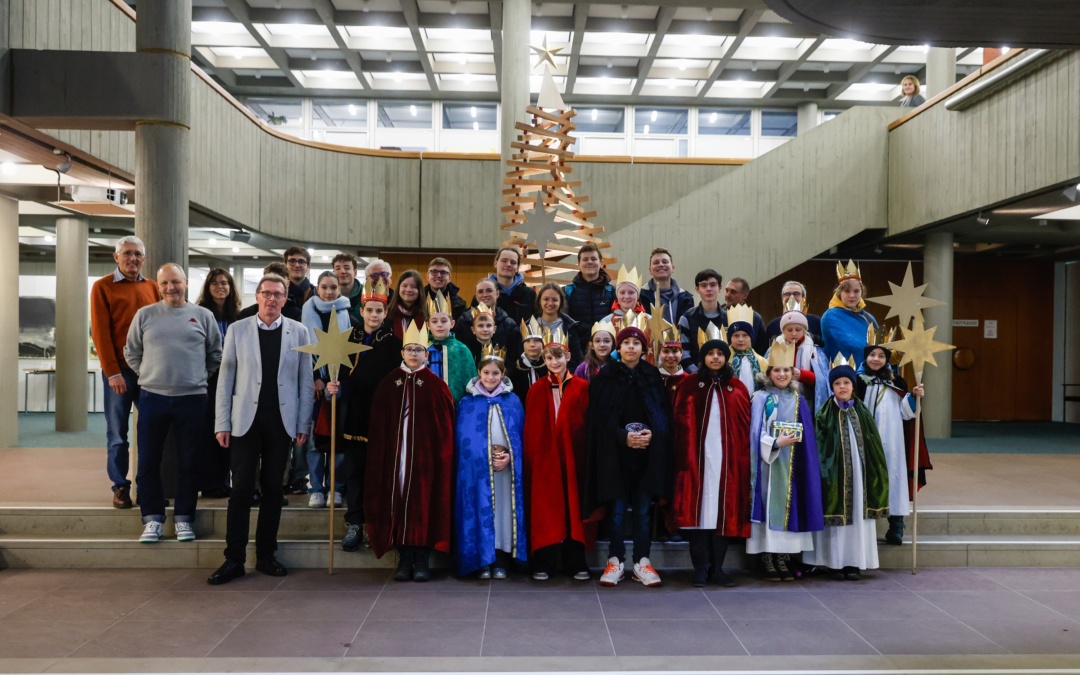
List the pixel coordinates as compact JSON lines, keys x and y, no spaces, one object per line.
{"x":514,"y":464}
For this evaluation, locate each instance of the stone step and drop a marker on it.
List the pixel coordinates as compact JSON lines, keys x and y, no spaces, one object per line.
{"x":299,"y":521}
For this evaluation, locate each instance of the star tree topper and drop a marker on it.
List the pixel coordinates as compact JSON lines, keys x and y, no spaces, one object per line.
{"x":333,"y":350}
{"x":549,"y":94}
{"x":906,"y":301}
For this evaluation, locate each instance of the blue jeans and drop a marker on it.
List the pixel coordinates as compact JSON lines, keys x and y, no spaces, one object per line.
{"x":634,"y":496}
{"x":319,"y":474}
{"x":117,"y":413}
{"x":296,"y":472}
{"x":157,"y":415}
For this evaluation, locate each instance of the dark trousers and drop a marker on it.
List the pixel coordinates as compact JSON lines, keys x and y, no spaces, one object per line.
{"x":157,"y":415}
{"x":267,"y":441}
{"x":706,"y":548}
{"x":117,"y":414}
{"x":355,"y":463}
{"x":214,"y":463}
{"x":572,"y":553}
{"x":639,"y":501}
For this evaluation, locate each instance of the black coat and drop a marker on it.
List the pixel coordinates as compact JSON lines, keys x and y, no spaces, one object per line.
{"x":371,"y":368}
{"x":588,"y":302}
{"x":519,"y":377}
{"x":609,"y":390}
{"x":507,"y":333}
{"x":452,"y":292}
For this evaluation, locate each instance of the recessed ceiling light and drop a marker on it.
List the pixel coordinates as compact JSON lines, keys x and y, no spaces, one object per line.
{"x":49,"y":238}
{"x":212,"y":241}
{"x":646,"y":128}
{"x":594,"y":114}
{"x":472,"y":111}
{"x":652,"y":118}
{"x":476,"y":126}
{"x":7,"y":168}
{"x":235,"y":249}
{"x":352,"y":109}
{"x":712,"y":118}
{"x":412,"y":110}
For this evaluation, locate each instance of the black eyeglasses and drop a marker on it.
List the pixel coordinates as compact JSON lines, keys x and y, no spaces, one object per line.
{"x":380,"y":275}
{"x":299,"y":262}
{"x":439,"y":273}
{"x":270,"y":295}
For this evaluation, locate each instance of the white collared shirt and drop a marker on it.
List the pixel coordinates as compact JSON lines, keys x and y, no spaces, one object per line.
{"x":273,"y":326}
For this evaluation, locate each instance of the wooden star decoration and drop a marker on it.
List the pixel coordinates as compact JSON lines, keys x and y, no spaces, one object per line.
{"x":333,"y":350}
{"x":906,"y":301}
{"x":545,"y":53}
{"x":540,"y":226}
{"x":918,"y":347}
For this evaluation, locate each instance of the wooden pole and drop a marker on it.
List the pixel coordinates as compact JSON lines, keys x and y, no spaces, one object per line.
{"x":333,"y":477}
{"x":915,"y":479}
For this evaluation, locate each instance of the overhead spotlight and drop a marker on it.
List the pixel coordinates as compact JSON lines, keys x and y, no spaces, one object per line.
{"x":610,"y":63}
{"x":652,"y":117}
{"x":314,"y":57}
{"x":476,"y":126}
{"x":453,"y":6}
{"x":211,"y":241}
{"x":235,"y":249}
{"x":753,"y":66}
{"x":712,"y":118}
{"x":982,"y":219}
{"x":365,"y":5}
{"x":258,"y":75}
{"x":708,"y":14}
{"x":64,"y":166}
{"x":594,"y":114}
{"x":877,"y":250}
{"x":352,"y":109}
{"x":472,"y":111}
{"x":625,"y":11}
{"x":412,"y":110}
{"x":49,"y":238}
{"x":240,"y":235}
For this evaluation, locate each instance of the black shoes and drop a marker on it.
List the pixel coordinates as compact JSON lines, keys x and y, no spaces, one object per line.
{"x":895,"y":534}
{"x":783,"y":567}
{"x":421,"y":569}
{"x":769,"y":566}
{"x":701,"y":576}
{"x":226,"y":573}
{"x":351,"y":541}
{"x":846,"y":574}
{"x":271,"y":567}
{"x":404,"y":569}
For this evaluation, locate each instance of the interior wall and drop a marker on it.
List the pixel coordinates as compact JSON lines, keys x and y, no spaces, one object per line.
{"x":1011,"y":378}
{"x":1071,"y":361}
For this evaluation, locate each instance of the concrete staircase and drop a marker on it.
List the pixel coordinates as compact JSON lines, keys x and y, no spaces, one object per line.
{"x":100,"y":537}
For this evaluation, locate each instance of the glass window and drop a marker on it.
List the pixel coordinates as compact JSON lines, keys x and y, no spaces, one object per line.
{"x":339,"y":113}
{"x":660,"y":120}
{"x":599,"y":120}
{"x":278,"y":112}
{"x":475,"y":116}
{"x":829,"y":114}
{"x":723,"y":122}
{"x":779,"y":123}
{"x":405,"y":114}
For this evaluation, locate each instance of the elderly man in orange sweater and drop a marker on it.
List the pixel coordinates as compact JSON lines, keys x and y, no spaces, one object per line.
{"x":114,"y":299}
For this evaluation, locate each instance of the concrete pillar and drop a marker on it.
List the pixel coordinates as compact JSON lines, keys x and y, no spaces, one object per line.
{"x":514,"y":87}
{"x":808,"y":117}
{"x":938,"y":273}
{"x":72,"y":323}
{"x":161,"y":145}
{"x":940,"y":70}
{"x":9,"y":327}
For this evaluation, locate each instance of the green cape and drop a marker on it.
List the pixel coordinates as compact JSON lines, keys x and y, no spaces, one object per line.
{"x":836,"y":456}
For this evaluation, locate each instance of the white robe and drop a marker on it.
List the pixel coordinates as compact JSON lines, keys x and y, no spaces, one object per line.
{"x":714,"y":462}
{"x":854,"y":545}
{"x":746,"y":374}
{"x":502,"y":487}
{"x":890,"y":409}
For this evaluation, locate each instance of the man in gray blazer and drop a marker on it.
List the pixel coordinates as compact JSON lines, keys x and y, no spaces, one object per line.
{"x":264,"y":400}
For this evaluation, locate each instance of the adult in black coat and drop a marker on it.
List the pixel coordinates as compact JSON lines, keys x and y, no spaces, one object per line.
{"x":515,"y":296}
{"x":590,"y":295}
{"x":438,"y":276}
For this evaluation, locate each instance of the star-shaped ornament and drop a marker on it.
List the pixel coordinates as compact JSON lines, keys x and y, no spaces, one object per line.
{"x":540,"y":226}
{"x":906,"y":301}
{"x":545,"y":53}
{"x":918,"y":347}
{"x":657,"y":323}
{"x":333,"y":350}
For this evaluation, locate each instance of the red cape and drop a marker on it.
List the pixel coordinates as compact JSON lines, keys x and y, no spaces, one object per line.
{"x":924,"y":454}
{"x":420,"y":514}
{"x":691,"y":418}
{"x":555,"y":462}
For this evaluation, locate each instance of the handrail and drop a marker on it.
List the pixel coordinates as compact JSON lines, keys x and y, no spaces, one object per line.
{"x":409,"y":154}
{"x":981,"y":72}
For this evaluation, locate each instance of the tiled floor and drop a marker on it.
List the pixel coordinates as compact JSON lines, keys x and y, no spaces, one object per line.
{"x":66,"y":619}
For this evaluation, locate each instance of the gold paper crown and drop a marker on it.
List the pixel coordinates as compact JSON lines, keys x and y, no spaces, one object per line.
{"x":840,"y":360}
{"x":671,"y":337}
{"x":880,"y":336}
{"x":437,"y":304}
{"x":739,"y":313}
{"x":711,"y":332}
{"x":628,"y":277}
{"x":415,"y":335}
{"x":531,"y":329}
{"x":492,"y":352}
{"x":782,"y":355}
{"x":792,"y":305}
{"x":605,"y":326}
{"x":558,"y":337}
{"x":634,"y":319}
{"x":850,"y":272}
{"x":375,"y":292}
{"x":481,"y":308}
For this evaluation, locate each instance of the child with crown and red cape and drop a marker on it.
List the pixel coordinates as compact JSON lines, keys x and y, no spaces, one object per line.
{"x":489,"y":502}
{"x":785,"y":469}
{"x":407,"y":486}
{"x":711,"y":499}
{"x":555,"y":438}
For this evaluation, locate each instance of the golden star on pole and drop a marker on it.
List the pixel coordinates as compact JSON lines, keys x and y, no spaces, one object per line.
{"x":906,"y":300}
{"x":918,"y":347}
{"x":657,"y":323}
{"x":333,"y":350}
{"x":545,"y":53}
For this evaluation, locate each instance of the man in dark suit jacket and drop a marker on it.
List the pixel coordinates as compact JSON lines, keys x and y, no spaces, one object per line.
{"x":264,"y":400}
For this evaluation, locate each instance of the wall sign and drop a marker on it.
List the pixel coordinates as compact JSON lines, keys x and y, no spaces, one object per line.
{"x":990,"y":329}
{"x":965,"y":323}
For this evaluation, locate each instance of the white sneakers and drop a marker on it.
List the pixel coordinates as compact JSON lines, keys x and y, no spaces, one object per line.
{"x":316,"y":500}
{"x":184,"y":531}
{"x":644,"y":572}
{"x":613,"y":573}
{"x":151,"y":533}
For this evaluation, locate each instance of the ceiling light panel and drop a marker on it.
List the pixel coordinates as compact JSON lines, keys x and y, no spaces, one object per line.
{"x":597,"y":38}
{"x":297,"y":29}
{"x":239,"y":52}
{"x":772,"y":43}
{"x":846,"y":45}
{"x":623,"y":11}
{"x":683,"y":41}
{"x":703,"y":14}
{"x":459,"y":7}
{"x":218,"y":28}
{"x":457,"y":34}
{"x":379,"y":33}
{"x":555,"y":38}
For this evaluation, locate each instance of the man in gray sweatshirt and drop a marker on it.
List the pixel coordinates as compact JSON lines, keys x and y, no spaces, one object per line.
{"x":173,"y":346}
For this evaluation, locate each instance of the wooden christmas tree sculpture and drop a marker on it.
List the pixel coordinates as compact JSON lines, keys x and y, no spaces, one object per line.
{"x":543,"y":209}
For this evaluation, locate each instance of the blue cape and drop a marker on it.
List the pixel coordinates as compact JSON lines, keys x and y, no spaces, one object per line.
{"x":474,"y":514}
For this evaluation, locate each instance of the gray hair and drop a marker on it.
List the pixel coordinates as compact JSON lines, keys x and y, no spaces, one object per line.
{"x":272,"y":278}
{"x":794,"y":283}
{"x":378,"y":261}
{"x":130,"y":239}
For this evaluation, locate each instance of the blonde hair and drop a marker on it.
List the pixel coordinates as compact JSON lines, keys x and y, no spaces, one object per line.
{"x":913,"y":80}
